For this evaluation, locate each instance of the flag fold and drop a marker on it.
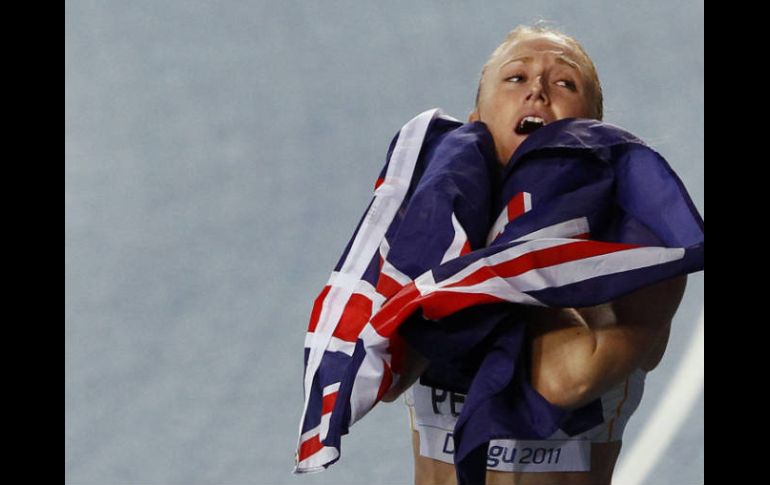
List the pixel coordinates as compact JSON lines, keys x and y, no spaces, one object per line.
{"x":450,"y":248}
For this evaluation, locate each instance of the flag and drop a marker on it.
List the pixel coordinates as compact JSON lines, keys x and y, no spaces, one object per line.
{"x":451,"y":245}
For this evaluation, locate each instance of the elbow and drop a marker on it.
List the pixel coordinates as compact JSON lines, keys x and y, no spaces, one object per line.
{"x":570,"y":398}
{"x":568,"y":393}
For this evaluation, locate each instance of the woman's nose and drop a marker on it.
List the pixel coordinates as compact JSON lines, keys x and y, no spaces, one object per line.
{"x":537,"y":90}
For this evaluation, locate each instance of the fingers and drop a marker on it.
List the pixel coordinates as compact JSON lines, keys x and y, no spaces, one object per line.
{"x":414,"y":366}
{"x":402,"y":384}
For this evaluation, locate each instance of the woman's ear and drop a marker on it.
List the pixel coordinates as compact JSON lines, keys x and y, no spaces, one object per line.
{"x":474,"y":116}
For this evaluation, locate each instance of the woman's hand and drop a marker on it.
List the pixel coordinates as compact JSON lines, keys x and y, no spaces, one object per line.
{"x":414,"y":365}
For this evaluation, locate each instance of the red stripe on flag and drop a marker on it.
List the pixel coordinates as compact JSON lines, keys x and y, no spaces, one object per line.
{"x":310,"y":447}
{"x":542,"y":258}
{"x":516,"y":206}
{"x":392,"y":313}
{"x":396,"y":348}
{"x":387,"y":286}
{"x":439,"y":304}
{"x":378,"y":183}
{"x":387,"y":380}
{"x":466,"y":248}
{"x":434,"y":305}
{"x":586,"y":235}
{"x":316,"y":313}
{"x":355,"y":315}
{"x":328,"y":403}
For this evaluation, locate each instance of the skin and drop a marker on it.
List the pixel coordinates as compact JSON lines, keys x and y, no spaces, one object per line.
{"x":537,"y":75}
{"x":578,"y":354}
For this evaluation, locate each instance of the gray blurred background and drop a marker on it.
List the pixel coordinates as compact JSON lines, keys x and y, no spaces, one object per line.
{"x":218,"y":156}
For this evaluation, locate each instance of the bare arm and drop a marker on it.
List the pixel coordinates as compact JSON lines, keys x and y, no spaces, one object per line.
{"x":580,"y":353}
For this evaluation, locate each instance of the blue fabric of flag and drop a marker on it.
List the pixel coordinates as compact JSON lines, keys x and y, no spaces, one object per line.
{"x":580,"y":170}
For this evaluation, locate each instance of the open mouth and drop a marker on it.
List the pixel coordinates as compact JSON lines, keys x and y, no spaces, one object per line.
{"x":529,"y":124}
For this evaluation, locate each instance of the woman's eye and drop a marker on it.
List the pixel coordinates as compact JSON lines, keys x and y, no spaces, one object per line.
{"x":566,"y":83}
{"x":515,"y":78}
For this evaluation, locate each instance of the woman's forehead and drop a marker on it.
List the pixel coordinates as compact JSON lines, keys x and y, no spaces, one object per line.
{"x":540,"y":44}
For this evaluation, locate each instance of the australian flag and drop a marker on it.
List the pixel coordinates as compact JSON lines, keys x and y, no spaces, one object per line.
{"x":583,"y":213}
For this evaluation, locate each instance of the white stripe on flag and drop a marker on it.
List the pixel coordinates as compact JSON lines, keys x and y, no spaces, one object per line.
{"x":527,"y":201}
{"x":391,"y":271}
{"x":571,"y":228}
{"x":387,"y":200}
{"x":573,"y":271}
{"x":366,"y":289}
{"x":335,"y":344}
{"x":454,"y":249}
{"x":316,"y":461}
{"x":594,"y":266}
{"x":498,"y":226}
{"x":384,"y":248}
{"x":502,"y":220}
{"x":339,"y":345}
{"x":426,"y":284}
{"x":342,"y":280}
{"x":325,"y":419}
{"x":559,"y":274}
{"x":498,"y":287}
{"x":331,"y":389}
{"x":309,"y":434}
{"x":367,"y":381}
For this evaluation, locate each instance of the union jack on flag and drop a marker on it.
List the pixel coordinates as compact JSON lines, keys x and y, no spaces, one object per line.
{"x":583,"y":213}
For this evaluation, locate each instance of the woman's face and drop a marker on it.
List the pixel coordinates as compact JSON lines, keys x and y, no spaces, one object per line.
{"x":537,"y":80}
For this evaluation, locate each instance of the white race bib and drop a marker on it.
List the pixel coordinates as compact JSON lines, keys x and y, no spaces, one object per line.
{"x":435,"y":413}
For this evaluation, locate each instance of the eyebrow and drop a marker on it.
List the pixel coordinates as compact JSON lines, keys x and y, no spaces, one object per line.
{"x":559,"y":59}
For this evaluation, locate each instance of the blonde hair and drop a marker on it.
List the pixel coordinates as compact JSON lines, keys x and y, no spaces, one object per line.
{"x":593,"y":86}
